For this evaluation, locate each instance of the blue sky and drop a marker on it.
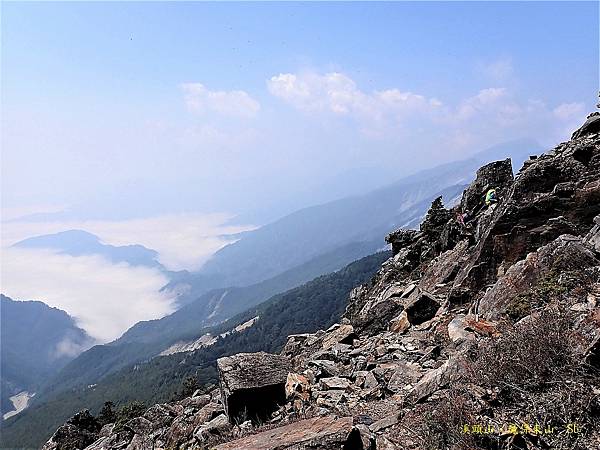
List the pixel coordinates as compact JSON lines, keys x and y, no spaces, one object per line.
{"x":157,"y":123}
{"x":95,"y":105}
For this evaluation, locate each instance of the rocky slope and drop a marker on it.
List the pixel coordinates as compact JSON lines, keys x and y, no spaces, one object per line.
{"x":477,"y":336}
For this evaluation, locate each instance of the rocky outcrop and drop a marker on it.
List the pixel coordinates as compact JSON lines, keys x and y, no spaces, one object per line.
{"x":497,"y":175}
{"x":566,"y":253}
{"x":591,"y":126}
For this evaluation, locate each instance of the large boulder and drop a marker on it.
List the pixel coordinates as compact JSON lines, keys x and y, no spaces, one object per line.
{"x":401,"y":238}
{"x":421,"y":308}
{"x":324,"y":433}
{"x":252,"y":384}
{"x":435,"y":379}
{"x":591,"y":125}
{"x":563,"y":254}
{"x":593,"y":237}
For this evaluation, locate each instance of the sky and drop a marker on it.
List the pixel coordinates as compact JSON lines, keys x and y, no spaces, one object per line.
{"x":161,"y":123}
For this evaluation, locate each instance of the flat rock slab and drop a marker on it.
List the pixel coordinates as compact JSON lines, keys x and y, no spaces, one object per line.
{"x":251,"y":370}
{"x":325,"y":433}
{"x":341,"y":335}
{"x":252,"y":383}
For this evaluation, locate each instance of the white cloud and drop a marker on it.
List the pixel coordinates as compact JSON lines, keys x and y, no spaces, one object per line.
{"x":500,"y":70}
{"x":105,"y":299}
{"x":491,"y":115}
{"x":483,"y":101}
{"x":68,"y":347}
{"x":227,"y":103}
{"x":569,"y":111}
{"x":183,"y":241}
{"x":337,"y":93}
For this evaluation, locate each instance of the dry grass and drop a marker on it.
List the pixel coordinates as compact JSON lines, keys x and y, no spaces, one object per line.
{"x":532,"y":374}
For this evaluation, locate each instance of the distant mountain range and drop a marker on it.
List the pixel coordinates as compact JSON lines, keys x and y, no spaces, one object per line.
{"x":37,"y":341}
{"x":82,"y":243}
{"x":303,"y":235}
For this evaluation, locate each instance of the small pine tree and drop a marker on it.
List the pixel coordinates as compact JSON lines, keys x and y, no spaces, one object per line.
{"x":128,"y":412}
{"x":188,"y":387}
{"x":107,"y":413}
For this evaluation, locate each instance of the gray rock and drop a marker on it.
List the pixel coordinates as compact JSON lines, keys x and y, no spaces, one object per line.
{"x":334,"y":383}
{"x":344,"y":334}
{"x":593,"y":237}
{"x":456,"y":329}
{"x":561,"y":254}
{"x":324,"y":433}
{"x":435,"y":379}
{"x":384,"y":423}
{"x":591,"y":125}
{"x":422,"y":308}
{"x":252,"y":384}
{"x":216,"y":426}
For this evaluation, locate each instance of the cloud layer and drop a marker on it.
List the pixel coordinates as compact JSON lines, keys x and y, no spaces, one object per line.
{"x":228,"y":103}
{"x":105,"y":299}
{"x":490,"y":114}
{"x":183,"y":241}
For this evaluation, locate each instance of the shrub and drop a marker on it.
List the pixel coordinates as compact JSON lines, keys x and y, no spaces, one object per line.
{"x":128,"y":412}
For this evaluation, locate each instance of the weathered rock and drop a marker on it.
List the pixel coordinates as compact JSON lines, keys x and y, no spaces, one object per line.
{"x":400,"y":239}
{"x":297,"y":386}
{"x":296,"y":341}
{"x":400,"y":324}
{"x":498,"y":175}
{"x":324,"y":433}
{"x":326,"y":368}
{"x":593,"y":237}
{"x":383,"y":443}
{"x":386,"y":422}
{"x":457,"y":329}
{"x":140,"y":442}
{"x":591,"y":125}
{"x":329,"y":399}
{"x":217,"y":425}
{"x":366,"y":379}
{"x":421,"y":309}
{"x":562,"y":254}
{"x":334,"y":383}
{"x":252,"y":384}
{"x":208,"y":412}
{"x":435,"y":219}
{"x":344,"y":334}
{"x":435,"y":379}
{"x":404,"y":376}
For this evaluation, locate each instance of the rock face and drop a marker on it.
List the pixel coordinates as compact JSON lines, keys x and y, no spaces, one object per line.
{"x":252,"y":384}
{"x":326,"y":433}
{"x":561,"y":255}
{"x":488,"y":323}
{"x":498,"y":175}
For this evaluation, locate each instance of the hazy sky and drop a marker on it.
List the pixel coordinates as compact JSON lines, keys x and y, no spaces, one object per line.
{"x":156,"y":123}
{"x":134,"y":109}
